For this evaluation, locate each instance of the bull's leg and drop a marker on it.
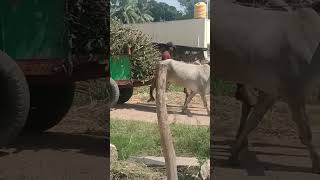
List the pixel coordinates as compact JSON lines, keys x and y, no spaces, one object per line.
{"x":167,"y":89}
{"x":204,"y":100}
{"x":188,"y":101}
{"x":243,"y":95}
{"x":300,"y":117}
{"x":152,"y":87}
{"x":167,"y":86}
{"x":245,"y":110}
{"x":187,"y":95}
{"x":264,"y":103}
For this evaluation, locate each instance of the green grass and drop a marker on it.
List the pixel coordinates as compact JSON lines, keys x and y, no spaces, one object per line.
{"x":91,"y":91}
{"x":129,"y":170}
{"x":139,"y":138}
{"x":175,"y":88}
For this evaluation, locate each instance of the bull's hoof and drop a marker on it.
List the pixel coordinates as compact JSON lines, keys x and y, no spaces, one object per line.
{"x":185,"y":111}
{"x":151,"y":99}
{"x":233,"y":161}
{"x":316,"y":169}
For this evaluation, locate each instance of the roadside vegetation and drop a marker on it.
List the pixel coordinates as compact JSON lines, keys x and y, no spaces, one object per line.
{"x":140,"y":138}
{"x":144,"y":55}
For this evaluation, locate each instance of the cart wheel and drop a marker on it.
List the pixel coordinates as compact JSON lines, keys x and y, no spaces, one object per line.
{"x":14,"y":99}
{"x":125,"y":94}
{"x":114,"y":93}
{"x":49,"y":104}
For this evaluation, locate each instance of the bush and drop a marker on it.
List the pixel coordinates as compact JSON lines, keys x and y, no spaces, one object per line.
{"x":144,"y":55}
{"x":88,"y":28}
{"x":91,"y":91}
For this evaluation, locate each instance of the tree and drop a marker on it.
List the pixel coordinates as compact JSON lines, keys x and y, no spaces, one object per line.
{"x":189,"y":7}
{"x":130,"y":11}
{"x":163,"y":12}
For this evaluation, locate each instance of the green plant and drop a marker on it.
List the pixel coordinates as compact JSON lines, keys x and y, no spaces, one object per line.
{"x":88,"y":29}
{"x":91,"y":91}
{"x":130,"y":11}
{"x":144,"y":55}
{"x":140,"y":138}
{"x":121,"y":170}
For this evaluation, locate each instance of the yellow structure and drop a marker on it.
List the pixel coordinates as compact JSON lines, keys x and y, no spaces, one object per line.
{"x":200,"y":10}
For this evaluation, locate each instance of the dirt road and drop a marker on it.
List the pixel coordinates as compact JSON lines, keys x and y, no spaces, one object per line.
{"x":137,"y":109}
{"x":73,"y":150}
{"x":275,"y":151}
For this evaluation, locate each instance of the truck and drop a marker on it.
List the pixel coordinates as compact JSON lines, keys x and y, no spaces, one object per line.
{"x":37,"y":75}
{"x":120,"y":79}
{"x":191,"y":38}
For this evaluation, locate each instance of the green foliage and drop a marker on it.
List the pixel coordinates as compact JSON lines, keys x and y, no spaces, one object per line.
{"x":143,"y":56}
{"x":121,"y":170}
{"x":88,"y":26}
{"x":163,"y":12}
{"x":189,"y":7}
{"x":130,"y":11}
{"x":140,"y":11}
{"x":139,"y":138}
{"x":91,"y":91}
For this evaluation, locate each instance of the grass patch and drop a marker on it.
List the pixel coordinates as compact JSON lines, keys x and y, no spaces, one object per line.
{"x":141,"y":90}
{"x":175,"y":88}
{"x":140,"y":138}
{"x":121,"y":170}
{"x":91,"y":91}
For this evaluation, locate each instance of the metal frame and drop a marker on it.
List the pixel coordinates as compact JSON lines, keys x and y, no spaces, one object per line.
{"x":55,"y":70}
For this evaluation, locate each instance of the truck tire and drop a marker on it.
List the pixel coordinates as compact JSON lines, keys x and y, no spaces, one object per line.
{"x":49,"y":104}
{"x":125,"y":94}
{"x":114,"y":93}
{"x":14,"y":99}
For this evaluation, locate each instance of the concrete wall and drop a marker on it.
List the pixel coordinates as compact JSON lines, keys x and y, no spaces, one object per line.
{"x":191,"y":32}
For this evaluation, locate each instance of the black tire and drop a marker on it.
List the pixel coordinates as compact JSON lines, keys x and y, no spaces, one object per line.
{"x":125,"y":95}
{"x":14,"y":99}
{"x":114,"y":93}
{"x":49,"y":104}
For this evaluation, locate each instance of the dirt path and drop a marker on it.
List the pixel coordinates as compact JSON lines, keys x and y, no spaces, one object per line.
{"x":275,"y":151}
{"x":137,"y":109}
{"x":73,"y":150}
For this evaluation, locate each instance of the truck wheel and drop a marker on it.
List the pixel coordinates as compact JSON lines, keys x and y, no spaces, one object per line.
{"x":49,"y":104}
{"x":114,"y":92}
{"x":125,"y":94}
{"x":14,"y":99}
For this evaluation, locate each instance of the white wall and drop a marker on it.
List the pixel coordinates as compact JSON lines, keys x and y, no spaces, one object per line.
{"x":191,"y":32}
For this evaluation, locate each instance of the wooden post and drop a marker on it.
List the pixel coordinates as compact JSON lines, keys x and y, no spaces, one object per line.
{"x":165,"y":135}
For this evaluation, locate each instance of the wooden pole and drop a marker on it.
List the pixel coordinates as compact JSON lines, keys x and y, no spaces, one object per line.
{"x":165,"y":135}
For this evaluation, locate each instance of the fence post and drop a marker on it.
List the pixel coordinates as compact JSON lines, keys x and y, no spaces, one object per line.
{"x":165,"y":134}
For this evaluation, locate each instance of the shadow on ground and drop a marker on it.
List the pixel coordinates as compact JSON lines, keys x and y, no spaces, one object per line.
{"x":58,"y":141}
{"x":145,"y":107}
{"x":251,"y":163}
